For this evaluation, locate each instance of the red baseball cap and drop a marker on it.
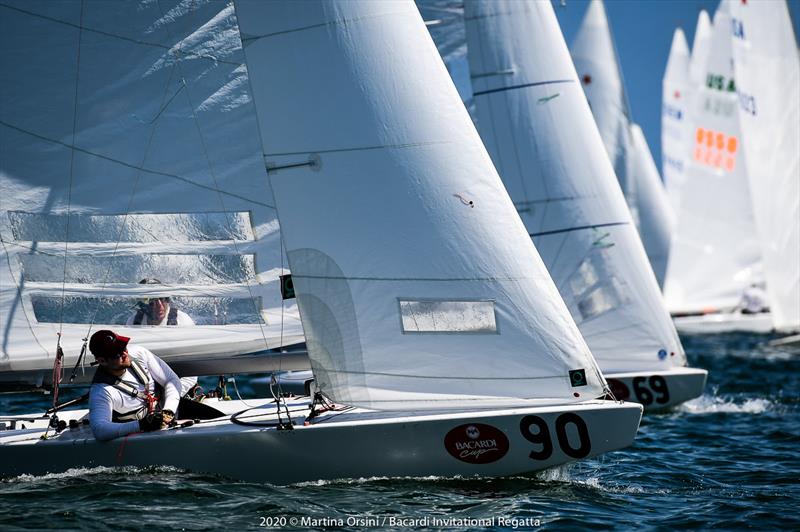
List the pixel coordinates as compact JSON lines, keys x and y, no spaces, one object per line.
{"x":107,"y":343}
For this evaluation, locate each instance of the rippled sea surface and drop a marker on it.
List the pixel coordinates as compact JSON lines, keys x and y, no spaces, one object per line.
{"x":729,"y":459}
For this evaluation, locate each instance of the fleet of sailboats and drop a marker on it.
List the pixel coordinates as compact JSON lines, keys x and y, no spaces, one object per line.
{"x":537,"y":126}
{"x":426,"y":309}
{"x":305,"y":181}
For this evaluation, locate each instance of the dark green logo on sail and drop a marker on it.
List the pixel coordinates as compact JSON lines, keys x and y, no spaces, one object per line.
{"x":577,"y":377}
{"x":287,"y":287}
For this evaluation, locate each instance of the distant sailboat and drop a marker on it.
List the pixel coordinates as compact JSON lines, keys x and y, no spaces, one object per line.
{"x":674,"y":133}
{"x":426,"y":308}
{"x":715,"y":254}
{"x":537,"y":127}
{"x":598,"y":68}
{"x":767,"y":69}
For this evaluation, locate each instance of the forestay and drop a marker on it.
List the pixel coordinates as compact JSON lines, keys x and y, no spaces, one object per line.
{"x":768,"y":84}
{"x":417,"y":283}
{"x":674,"y":106}
{"x":538,"y":128}
{"x":130,"y":151}
{"x":715,"y":254}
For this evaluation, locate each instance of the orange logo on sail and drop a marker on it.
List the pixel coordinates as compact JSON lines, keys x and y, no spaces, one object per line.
{"x":715,"y":149}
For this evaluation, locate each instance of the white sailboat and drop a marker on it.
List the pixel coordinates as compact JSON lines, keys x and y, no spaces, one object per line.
{"x":674,"y":102}
{"x":426,"y":308}
{"x":116,"y":168}
{"x":537,"y":127}
{"x":767,"y":73}
{"x":715,"y":254}
{"x":599,"y":70}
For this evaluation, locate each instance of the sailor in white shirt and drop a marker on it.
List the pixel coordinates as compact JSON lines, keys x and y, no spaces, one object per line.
{"x":159,"y":311}
{"x":754,"y":300}
{"x":133,"y":390}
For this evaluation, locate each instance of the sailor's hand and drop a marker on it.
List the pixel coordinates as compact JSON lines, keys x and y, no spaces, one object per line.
{"x":166,"y":417}
{"x":151,"y":422}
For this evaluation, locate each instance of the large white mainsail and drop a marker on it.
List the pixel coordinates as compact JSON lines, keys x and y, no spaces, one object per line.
{"x":767,"y":71}
{"x":130,"y":151}
{"x":656,"y":219}
{"x":674,"y":105}
{"x":715,"y":254}
{"x":536,"y":125}
{"x":600,"y":72}
{"x":416,"y":281}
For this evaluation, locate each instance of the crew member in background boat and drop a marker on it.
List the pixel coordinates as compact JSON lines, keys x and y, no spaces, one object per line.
{"x":754,"y":300}
{"x":160,"y":311}
{"x":133,"y":390}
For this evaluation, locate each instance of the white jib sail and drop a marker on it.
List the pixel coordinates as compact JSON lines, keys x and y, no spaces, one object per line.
{"x":600,"y":72}
{"x":674,"y":106}
{"x":539,"y":130}
{"x":131,"y":151}
{"x":656,"y":219}
{"x":417,"y":283}
{"x":715,"y":253}
{"x":768,"y":83}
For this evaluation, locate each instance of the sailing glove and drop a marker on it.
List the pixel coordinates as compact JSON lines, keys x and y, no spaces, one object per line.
{"x":151,"y":422}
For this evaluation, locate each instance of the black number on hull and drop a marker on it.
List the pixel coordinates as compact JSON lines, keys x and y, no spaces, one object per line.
{"x":644,"y":394}
{"x":542,"y":436}
{"x":659,"y":385}
{"x":583,"y":435}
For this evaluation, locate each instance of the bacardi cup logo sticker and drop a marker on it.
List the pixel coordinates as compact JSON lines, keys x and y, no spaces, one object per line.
{"x":476,"y":443}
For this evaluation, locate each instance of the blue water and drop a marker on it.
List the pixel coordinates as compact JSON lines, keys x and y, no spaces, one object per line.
{"x":730,"y":459}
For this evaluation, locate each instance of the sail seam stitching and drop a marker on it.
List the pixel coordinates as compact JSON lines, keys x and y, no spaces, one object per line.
{"x":133,"y":166}
{"x":112,"y":35}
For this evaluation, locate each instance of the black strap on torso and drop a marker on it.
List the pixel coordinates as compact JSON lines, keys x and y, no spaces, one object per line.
{"x":101,"y":376}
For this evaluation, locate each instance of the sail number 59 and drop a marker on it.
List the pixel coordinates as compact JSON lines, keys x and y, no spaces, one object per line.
{"x":535,"y":430}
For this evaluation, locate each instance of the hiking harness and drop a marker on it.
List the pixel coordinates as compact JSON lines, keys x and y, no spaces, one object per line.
{"x":148,"y":399}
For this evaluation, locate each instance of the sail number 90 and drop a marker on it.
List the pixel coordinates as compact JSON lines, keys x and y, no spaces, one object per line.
{"x":535,"y":430}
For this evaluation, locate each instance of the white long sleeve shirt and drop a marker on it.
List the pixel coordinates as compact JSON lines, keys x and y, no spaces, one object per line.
{"x":183,"y":320}
{"x":105,"y":399}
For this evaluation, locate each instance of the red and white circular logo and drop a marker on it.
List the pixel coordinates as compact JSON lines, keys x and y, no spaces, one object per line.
{"x":618,"y":388}
{"x":476,"y":443}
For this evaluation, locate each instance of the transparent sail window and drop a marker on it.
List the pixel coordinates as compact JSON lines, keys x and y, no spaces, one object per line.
{"x":151,"y":227}
{"x":439,"y":316}
{"x":117,"y":310}
{"x":602,"y":299}
{"x":169,"y":269}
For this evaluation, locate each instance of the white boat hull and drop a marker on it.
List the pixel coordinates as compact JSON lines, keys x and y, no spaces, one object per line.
{"x":725,"y":322}
{"x":658,"y":390}
{"x":346,"y":444}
